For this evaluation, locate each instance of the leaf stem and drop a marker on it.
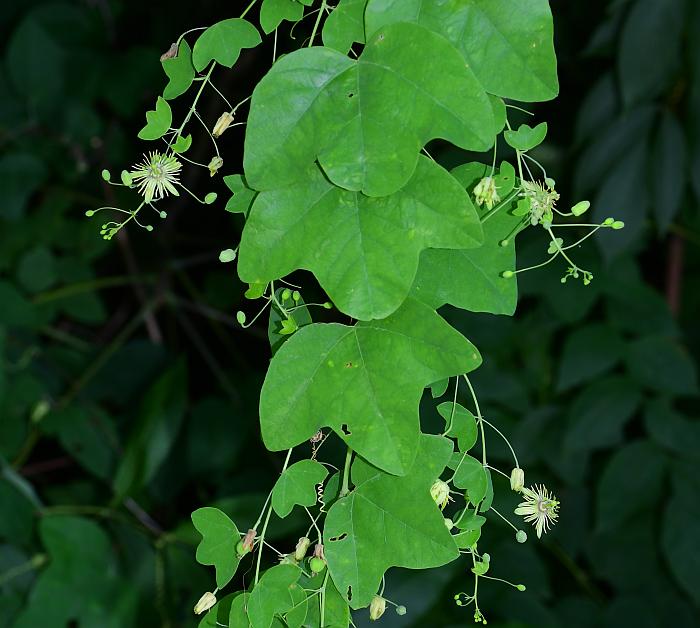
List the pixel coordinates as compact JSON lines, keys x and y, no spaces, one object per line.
{"x":346,"y":473}
{"x":480,"y":417}
{"x":321,"y":11}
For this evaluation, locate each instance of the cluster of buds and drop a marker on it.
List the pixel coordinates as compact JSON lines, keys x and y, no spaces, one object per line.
{"x":486,"y":193}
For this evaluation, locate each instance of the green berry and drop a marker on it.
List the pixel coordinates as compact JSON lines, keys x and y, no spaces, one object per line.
{"x":210,"y":198}
{"x":227,"y":255}
{"x":507,"y":274}
{"x":618,"y":224}
{"x":286,"y":294}
{"x":296,"y":295}
{"x":327,"y":305}
{"x":90,"y":212}
{"x":520,"y":587}
{"x":240,"y":317}
{"x":317,"y":564}
{"x":106,"y":175}
{"x":503,"y":243}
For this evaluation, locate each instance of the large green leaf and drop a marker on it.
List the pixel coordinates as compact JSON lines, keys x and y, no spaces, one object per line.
{"x":364,"y":251}
{"x":223,"y":43}
{"x":508,"y":44}
{"x":158,"y":121}
{"x":471,"y":278}
{"x":271,"y":595}
{"x":218,"y":545}
{"x":318,"y":104}
{"x":388,"y":522}
{"x":297,"y":485}
{"x":274,"y":12}
{"x":339,"y":376}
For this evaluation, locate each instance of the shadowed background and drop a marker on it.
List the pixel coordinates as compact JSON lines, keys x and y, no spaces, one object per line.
{"x":128,"y":394}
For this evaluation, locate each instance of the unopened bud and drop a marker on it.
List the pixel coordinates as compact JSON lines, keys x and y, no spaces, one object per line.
{"x":377,"y":607}
{"x":521,"y":536}
{"x":400,"y":610}
{"x":485,"y":192}
{"x":214,"y":165}
{"x":223,"y":123}
{"x":318,"y":551}
{"x":205,"y":603}
{"x":302,"y":546}
{"x":449,"y":524}
{"x":517,"y":479}
{"x":246,"y":545}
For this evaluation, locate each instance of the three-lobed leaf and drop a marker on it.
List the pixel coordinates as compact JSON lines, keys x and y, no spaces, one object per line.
{"x":274,"y":12}
{"x":158,"y":121}
{"x":318,"y":104}
{"x":345,"y":25}
{"x":339,"y":376}
{"x":388,"y":521}
{"x":297,"y":486}
{"x":271,"y":595}
{"x":364,"y":251}
{"x":179,"y":70}
{"x":459,"y":423}
{"x":218,"y":545}
{"x":526,"y":137}
{"x":223,"y":43}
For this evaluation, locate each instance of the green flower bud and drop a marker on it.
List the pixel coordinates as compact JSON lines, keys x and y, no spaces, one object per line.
{"x":485,"y":192}
{"x":227,"y":255}
{"x":517,"y":479}
{"x":106,"y":175}
{"x":507,"y":274}
{"x":328,"y":305}
{"x":214,"y":165}
{"x":223,"y":123}
{"x":449,"y":524}
{"x":520,"y":587}
{"x":286,"y":294}
{"x":608,"y":221}
{"x":205,"y":603}
{"x":580,"y":208}
{"x":521,"y":536}
{"x":377,"y":607}
{"x":240,"y":317}
{"x":302,"y":547}
{"x":400,"y":610}
{"x":618,"y":224}
{"x":504,"y":243}
{"x":296,"y":295}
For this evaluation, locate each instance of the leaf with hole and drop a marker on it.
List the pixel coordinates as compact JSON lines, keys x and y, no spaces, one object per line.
{"x":389,"y":521}
{"x":297,"y":486}
{"x":316,"y":103}
{"x":364,"y":251}
{"x":342,"y":379}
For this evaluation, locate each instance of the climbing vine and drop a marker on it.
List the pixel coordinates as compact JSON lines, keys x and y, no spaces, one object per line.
{"x":338,"y":181}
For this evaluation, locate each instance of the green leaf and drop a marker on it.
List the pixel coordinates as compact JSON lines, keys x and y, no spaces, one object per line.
{"x":180,"y":72}
{"x":650,"y":48}
{"x":631,"y":483}
{"x":470,"y":476}
{"x":219,"y":613}
{"x":276,"y":324}
{"x":336,"y":610}
{"x":158,"y":121}
{"x":182,"y":143}
{"x":669,"y":157}
{"x":223,"y":43}
{"x":218,"y":545}
{"x":526,"y":138}
{"x":345,"y":25}
{"x":588,"y":353}
{"x":364,"y":251}
{"x":662,"y":364}
{"x":271,"y":595}
{"x":388,"y":522}
{"x":342,"y":379}
{"x":471,"y":278}
{"x":297,"y":486}
{"x":243,"y":196}
{"x":157,"y":425}
{"x":461,"y":424}
{"x":273,"y":12}
{"x":508,"y":45}
{"x":21,"y":174}
{"x":318,"y":104}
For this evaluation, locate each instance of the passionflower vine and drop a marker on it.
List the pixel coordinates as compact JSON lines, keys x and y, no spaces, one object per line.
{"x":156,"y":176}
{"x":539,"y":508}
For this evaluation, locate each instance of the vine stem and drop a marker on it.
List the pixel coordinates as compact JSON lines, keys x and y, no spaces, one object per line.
{"x":346,"y":474}
{"x":321,"y":11}
{"x":248,"y":8}
{"x":267,"y":521}
{"x":481,"y":419}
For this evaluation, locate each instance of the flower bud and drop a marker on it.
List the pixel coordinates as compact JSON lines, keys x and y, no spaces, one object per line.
{"x":223,"y":123}
{"x":246,"y":545}
{"x":440,"y":492}
{"x":517,"y":479}
{"x":302,"y":546}
{"x":521,"y":536}
{"x":507,"y":274}
{"x":377,"y":607}
{"x":318,"y":551}
{"x":214,"y":165}
{"x":400,"y":610}
{"x":449,"y":524}
{"x":580,"y":208}
{"x":520,"y":587}
{"x":205,"y":603}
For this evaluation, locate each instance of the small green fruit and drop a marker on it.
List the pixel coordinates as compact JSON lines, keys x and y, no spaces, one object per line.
{"x":317,"y":564}
{"x":521,"y":536}
{"x":210,"y":198}
{"x":618,"y":224}
{"x":507,"y":274}
{"x":286,"y":294}
{"x":580,"y":208}
{"x":240,"y":317}
{"x":106,"y":175}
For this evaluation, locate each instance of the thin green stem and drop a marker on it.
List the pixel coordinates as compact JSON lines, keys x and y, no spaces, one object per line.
{"x":248,"y":8}
{"x":321,"y":11}
{"x":346,"y":473}
{"x":504,"y":519}
{"x":32,"y":564}
{"x":480,"y":418}
{"x":495,"y":429}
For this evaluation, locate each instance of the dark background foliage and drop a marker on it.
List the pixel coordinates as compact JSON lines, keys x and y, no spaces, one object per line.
{"x":128,"y":395}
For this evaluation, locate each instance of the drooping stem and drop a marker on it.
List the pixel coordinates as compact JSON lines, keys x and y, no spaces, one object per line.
{"x":480,"y":419}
